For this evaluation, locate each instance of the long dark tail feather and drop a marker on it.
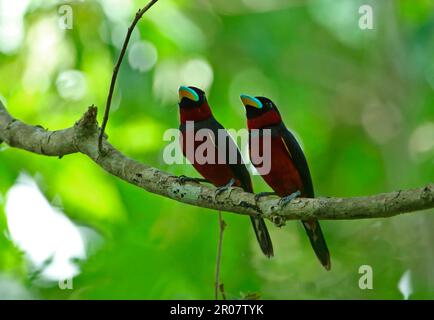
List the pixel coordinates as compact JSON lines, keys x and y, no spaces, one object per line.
{"x":263,"y":236}
{"x":318,"y":242}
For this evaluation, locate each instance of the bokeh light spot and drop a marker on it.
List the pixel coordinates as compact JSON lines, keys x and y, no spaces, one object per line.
{"x":42,"y":231}
{"x":12,"y":24}
{"x":198,"y":73}
{"x":142,"y":56}
{"x":71,"y":85}
{"x":381,"y":122}
{"x":422,"y":139}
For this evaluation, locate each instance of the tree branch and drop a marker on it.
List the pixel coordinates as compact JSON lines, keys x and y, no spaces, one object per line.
{"x":88,"y":138}
{"x":138,"y":16}
{"x":83,"y":138}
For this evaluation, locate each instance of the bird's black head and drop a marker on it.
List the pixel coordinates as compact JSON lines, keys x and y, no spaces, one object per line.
{"x":257,"y":106}
{"x":191,"y":97}
{"x":260,"y":111}
{"x":193,"y":105}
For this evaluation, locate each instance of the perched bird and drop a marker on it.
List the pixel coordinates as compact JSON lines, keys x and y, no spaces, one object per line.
{"x":194,"y":109}
{"x":288,"y":172}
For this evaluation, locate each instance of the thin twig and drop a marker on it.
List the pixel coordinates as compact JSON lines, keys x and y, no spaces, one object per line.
{"x":138,"y":16}
{"x":222,"y":291}
{"x":217,"y":283}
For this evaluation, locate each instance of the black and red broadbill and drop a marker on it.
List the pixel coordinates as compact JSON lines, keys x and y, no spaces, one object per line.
{"x":193,"y":107}
{"x":288,"y":173}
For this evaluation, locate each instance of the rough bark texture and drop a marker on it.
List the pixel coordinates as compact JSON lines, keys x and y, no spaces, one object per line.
{"x":83,"y":138}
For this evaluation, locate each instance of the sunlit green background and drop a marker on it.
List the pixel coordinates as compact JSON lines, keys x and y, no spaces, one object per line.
{"x":360,"y":101}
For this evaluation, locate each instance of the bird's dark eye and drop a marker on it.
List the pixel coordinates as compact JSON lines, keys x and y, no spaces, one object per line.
{"x":269,"y":104}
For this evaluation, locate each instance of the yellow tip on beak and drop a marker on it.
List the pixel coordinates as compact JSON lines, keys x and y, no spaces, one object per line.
{"x":186,"y":92}
{"x":251,"y":101}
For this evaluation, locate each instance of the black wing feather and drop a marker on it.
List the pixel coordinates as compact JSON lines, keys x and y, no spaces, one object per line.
{"x":299,"y":160}
{"x":242,"y":174}
{"x":238,"y":168}
{"x":312,"y":227}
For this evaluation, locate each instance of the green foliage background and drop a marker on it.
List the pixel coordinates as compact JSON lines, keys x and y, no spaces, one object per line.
{"x":361,"y":102}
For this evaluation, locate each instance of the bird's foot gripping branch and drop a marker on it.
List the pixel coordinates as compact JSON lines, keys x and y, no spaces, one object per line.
{"x":83,"y":138}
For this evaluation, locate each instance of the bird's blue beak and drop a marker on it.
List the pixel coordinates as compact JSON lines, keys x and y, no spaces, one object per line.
{"x":189,"y":93}
{"x":250,"y":101}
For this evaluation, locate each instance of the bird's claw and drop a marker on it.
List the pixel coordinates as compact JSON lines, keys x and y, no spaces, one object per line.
{"x":285,"y":200}
{"x":224,"y":188}
{"x":183,"y":179}
{"x":263,"y":194}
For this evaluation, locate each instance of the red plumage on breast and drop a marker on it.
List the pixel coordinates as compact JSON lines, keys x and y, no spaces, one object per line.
{"x":219,"y":174}
{"x":283,"y":176}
